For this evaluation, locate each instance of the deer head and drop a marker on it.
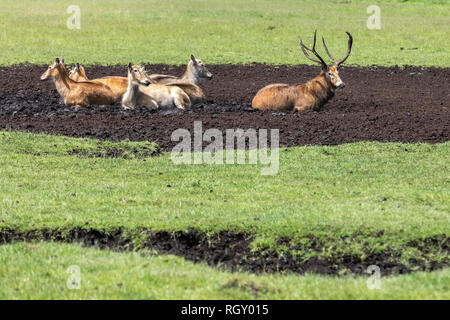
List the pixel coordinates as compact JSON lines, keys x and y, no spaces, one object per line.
{"x":52,"y":70}
{"x":137,"y":74}
{"x":331,"y":72}
{"x":78,"y":73}
{"x":200,"y":69}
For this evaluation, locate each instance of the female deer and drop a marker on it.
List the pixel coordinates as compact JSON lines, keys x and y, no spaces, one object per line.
{"x":79,"y":94}
{"x":117,"y":84}
{"x":153,"y":95}
{"x":304,"y":97}
{"x":195,"y":71}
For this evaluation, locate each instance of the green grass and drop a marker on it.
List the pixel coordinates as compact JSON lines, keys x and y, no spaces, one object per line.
{"x":231,"y":31}
{"x":328,"y":192}
{"x":39,"y":271}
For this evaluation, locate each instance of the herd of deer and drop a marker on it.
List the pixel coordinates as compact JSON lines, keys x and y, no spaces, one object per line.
{"x":159,"y":91}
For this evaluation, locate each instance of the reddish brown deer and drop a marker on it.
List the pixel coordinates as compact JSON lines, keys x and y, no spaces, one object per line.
{"x":79,"y":94}
{"x":117,"y":84}
{"x":309,"y":96}
{"x":153,"y":95}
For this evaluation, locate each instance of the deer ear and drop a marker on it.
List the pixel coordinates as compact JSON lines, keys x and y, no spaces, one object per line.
{"x":142,"y":66}
{"x":193,"y":59}
{"x":62,"y":59}
{"x":57,"y":60}
{"x":130,"y":66}
{"x":77,"y":66}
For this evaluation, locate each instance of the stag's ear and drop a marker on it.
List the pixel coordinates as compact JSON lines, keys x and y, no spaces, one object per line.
{"x":77,"y":66}
{"x":62,"y":59}
{"x":57,"y":60}
{"x":142,"y":66}
{"x":193,"y":59}
{"x":130,"y":66}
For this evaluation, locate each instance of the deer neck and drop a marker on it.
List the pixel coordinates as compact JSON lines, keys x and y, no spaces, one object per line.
{"x":131,"y":95}
{"x":62,"y":82}
{"x":322,"y":88}
{"x":190,"y":74}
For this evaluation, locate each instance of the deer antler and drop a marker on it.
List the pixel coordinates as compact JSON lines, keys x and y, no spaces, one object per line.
{"x":349,"y":49}
{"x":313,"y":50}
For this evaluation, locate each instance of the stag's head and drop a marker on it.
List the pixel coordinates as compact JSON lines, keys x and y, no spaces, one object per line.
{"x":199,"y":68}
{"x":331,"y":72}
{"x":137,"y":74}
{"x":78,"y":73}
{"x":53,"y":70}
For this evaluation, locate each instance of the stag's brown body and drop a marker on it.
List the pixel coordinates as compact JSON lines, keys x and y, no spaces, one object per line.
{"x":304,"y":97}
{"x":79,"y":94}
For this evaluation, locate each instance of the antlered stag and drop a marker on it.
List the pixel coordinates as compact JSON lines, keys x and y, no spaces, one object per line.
{"x":309,"y":96}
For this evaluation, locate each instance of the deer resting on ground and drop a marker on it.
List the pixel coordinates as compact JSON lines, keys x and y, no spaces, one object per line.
{"x":309,"y":96}
{"x":153,"y":95}
{"x":195,"y":71}
{"x":78,"y":94}
{"x":117,"y":84}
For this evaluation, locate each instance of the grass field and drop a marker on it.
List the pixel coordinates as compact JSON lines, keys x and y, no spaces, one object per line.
{"x":39,"y":271}
{"x":373,"y":187}
{"x":355,"y":199}
{"x":231,"y":31}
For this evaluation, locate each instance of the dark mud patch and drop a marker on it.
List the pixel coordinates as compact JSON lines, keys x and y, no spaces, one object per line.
{"x":232,"y":251}
{"x":117,"y":150}
{"x":410,"y":104}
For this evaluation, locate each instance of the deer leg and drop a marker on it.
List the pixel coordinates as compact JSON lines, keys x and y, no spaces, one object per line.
{"x":181,"y":102}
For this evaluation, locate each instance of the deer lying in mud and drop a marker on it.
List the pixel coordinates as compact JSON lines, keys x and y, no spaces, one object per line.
{"x":153,"y":95}
{"x":78,"y":94}
{"x":117,"y":84}
{"x":309,"y":96}
{"x":195,"y":71}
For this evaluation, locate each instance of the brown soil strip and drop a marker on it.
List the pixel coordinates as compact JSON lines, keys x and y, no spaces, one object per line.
{"x":410,"y":104}
{"x":231,"y":251}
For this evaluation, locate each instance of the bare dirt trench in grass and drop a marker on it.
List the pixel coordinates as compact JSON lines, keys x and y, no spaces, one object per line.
{"x":232,"y":251}
{"x":410,"y":104}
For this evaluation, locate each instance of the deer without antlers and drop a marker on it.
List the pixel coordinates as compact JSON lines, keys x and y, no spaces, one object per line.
{"x":117,"y":84}
{"x":309,"y":96}
{"x":195,"y":71}
{"x":79,"y":94}
{"x":153,"y":95}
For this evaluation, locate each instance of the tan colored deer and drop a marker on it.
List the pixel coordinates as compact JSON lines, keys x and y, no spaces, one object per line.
{"x":117,"y":84}
{"x":78,"y":94}
{"x":309,"y":96}
{"x":153,"y":95}
{"x":195,"y":71}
